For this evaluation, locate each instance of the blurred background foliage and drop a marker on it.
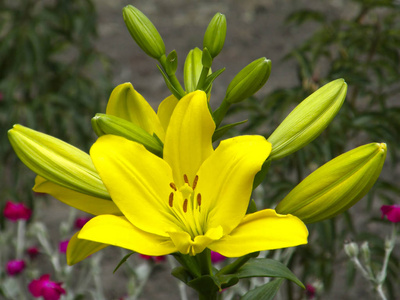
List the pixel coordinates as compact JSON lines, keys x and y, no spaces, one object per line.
{"x":52,"y":78}
{"x":364,"y":49}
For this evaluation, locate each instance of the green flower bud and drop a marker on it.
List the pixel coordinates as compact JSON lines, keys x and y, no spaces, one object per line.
{"x":336,"y":186}
{"x":351,"y":249}
{"x":248,"y":81}
{"x":214,"y":38}
{"x":143,"y":32}
{"x":57,"y":161}
{"x":308,"y":119}
{"x":108,"y":124}
{"x":192,"y":69}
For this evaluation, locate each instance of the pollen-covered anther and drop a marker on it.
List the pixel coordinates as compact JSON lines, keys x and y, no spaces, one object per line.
{"x":199,"y":199}
{"x":173,"y":186}
{"x":195,"y":181}
{"x":185,"y":178}
{"x":185,"y":204}
{"x":171,"y":199}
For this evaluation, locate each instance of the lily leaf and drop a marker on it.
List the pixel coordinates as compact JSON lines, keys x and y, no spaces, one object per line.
{"x":265,"y":267}
{"x":123,"y":260}
{"x":264,"y":292}
{"x":224,"y":129}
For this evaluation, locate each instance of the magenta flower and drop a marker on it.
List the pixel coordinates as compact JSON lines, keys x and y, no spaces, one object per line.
{"x":16,"y":211}
{"x":15,"y":267}
{"x":44,"y":287}
{"x":392,"y":212}
{"x":62,"y":247}
{"x":32,"y":252}
{"x":310,"y":291}
{"x":216,"y":257}
{"x":80,"y":222}
{"x":156,"y":259}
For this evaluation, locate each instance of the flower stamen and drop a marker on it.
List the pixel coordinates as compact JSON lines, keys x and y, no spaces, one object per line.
{"x":199,"y":199}
{"x":173,"y":186}
{"x":185,"y":204}
{"x":195,"y":182}
{"x":171,"y":199}
{"x":185,"y":178}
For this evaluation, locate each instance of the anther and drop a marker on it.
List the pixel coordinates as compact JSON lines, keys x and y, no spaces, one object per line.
{"x":173,"y":186}
{"x":171,"y":199}
{"x":185,"y":204}
{"x":195,"y":181}
{"x":199,"y":199}
{"x":185,"y":178}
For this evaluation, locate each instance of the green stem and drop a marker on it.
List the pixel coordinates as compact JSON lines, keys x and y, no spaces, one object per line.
{"x":233,"y":267}
{"x":172,"y":77}
{"x":204,"y":260}
{"x":220,"y":112}
{"x":202,"y":79}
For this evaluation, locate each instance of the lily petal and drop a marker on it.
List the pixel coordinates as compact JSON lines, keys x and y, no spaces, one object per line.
{"x":165,"y":110}
{"x":118,"y":231}
{"x":78,"y":249}
{"x":263,"y":230}
{"x":138,"y":182}
{"x":225,"y":180}
{"x":126,"y":103}
{"x":188,"y":138}
{"x":86,"y":203}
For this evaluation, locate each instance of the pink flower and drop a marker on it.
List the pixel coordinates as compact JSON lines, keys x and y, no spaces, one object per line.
{"x":156,"y":259}
{"x":46,"y":288}
{"x":216,"y":257}
{"x":62,"y":247}
{"x":310,"y":291}
{"x":392,"y":212}
{"x":15,"y":267}
{"x":16,"y":211}
{"x":32,"y":252}
{"x":80,"y":222}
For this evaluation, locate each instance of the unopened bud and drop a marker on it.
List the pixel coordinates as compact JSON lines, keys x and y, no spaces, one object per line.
{"x":143,"y":32}
{"x":192,"y":69}
{"x":336,"y":186}
{"x":214,"y":38}
{"x":351,"y":249}
{"x":108,"y":124}
{"x":308,"y":119}
{"x":248,"y":81}
{"x":57,"y":161}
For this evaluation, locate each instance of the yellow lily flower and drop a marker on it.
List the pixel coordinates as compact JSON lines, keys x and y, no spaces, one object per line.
{"x":191,"y":199}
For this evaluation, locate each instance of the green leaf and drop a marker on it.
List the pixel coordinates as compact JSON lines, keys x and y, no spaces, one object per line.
{"x":182,"y":274}
{"x":265,"y":267}
{"x":222,"y":130}
{"x":169,"y":84}
{"x":123,"y":260}
{"x":210,"y":79}
{"x":264,"y":292}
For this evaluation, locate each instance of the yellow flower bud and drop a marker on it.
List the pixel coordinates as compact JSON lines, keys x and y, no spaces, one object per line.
{"x":336,"y":186}
{"x":57,"y":161}
{"x":308,"y":119}
{"x":143,"y":32}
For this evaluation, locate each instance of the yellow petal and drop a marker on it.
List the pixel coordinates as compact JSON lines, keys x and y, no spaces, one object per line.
{"x":188,"y":138}
{"x":263,"y":230}
{"x":86,"y":203}
{"x":78,"y":249}
{"x":118,"y":231}
{"x":126,"y":103}
{"x":138,"y":182}
{"x":225,"y":180}
{"x":165,"y":110}
{"x":186,"y":245}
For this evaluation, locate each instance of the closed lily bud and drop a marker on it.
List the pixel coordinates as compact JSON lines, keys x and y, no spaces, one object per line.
{"x":192,"y":69}
{"x":336,"y":186}
{"x":308,"y":119}
{"x":109,"y":124}
{"x":351,"y":249}
{"x":143,"y":32}
{"x":248,"y":81}
{"x":214,"y":38}
{"x":57,"y":161}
